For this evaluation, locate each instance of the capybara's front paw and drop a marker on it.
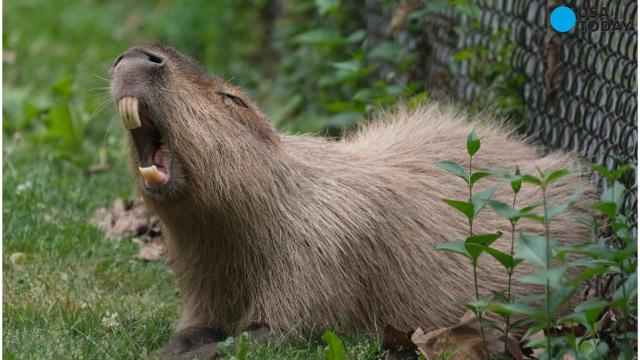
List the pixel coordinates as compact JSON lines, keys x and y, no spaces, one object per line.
{"x":193,"y":343}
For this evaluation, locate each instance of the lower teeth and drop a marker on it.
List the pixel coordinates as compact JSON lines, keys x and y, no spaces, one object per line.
{"x":152,"y":176}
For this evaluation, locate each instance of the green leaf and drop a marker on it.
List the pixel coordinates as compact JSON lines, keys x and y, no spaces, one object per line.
{"x":613,"y":175}
{"x":478,"y":306}
{"x":326,"y":6}
{"x":480,"y":199}
{"x":464,"y":207}
{"x":454,"y":168}
{"x":504,"y":210}
{"x":519,"y":309}
{"x":504,"y":175}
{"x":534,"y":217}
{"x":418,"y":99}
{"x":556,"y":175}
{"x":532,"y":248}
{"x":560,"y":297}
{"x":225,"y":347}
{"x":343,"y":119}
{"x":594,"y":250}
{"x":500,"y":296}
{"x":320,"y":36}
{"x":464,"y":54}
{"x":62,"y":128}
{"x":503,"y":258}
{"x":555,"y":210}
{"x":610,"y":209}
{"x":473,"y":143}
{"x":614,"y":194}
{"x":386,"y":50}
{"x":529,"y":208}
{"x":591,"y":308}
{"x":352,"y":66}
{"x":242,"y":346}
{"x":589,"y":273}
{"x":532,"y":330}
{"x":516,"y":184}
{"x":475,"y":244}
{"x":357,"y":36}
{"x":531,"y":180}
{"x":628,"y":288}
{"x":436,"y":6}
{"x":576,"y":317}
{"x":554,"y":276}
{"x":627,"y":252}
{"x":476,"y":176}
{"x":457,"y":246}
{"x":467,"y":8}
{"x":64,"y":86}
{"x":335,"y":348}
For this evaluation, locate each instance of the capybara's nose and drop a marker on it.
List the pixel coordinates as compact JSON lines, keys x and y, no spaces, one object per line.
{"x":141,"y":58}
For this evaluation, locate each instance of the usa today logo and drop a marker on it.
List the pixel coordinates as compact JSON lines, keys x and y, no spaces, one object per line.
{"x":564,"y":19}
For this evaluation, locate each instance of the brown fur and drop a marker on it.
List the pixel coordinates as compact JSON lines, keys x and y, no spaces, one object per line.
{"x":302,"y":232}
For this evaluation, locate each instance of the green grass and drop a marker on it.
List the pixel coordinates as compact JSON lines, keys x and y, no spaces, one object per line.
{"x":61,"y":276}
{"x":63,"y":279}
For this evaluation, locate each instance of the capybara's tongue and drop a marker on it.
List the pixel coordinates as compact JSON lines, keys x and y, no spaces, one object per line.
{"x":159,"y":156}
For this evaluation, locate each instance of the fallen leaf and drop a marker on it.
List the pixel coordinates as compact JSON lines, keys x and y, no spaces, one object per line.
{"x":463,"y":342}
{"x":393,"y":337}
{"x":397,"y":344}
{"x":97,"y":168}
{"x":151,"y":251}
{"x":132,"y":219}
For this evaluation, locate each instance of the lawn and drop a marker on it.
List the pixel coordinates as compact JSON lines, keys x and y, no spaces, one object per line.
{"x":68,"y":292}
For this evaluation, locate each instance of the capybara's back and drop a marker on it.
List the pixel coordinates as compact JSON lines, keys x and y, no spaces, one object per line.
{"x":364,"y":214}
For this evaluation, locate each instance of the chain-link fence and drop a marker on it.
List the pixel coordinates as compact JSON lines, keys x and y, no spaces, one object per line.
{"x":578,"y":89}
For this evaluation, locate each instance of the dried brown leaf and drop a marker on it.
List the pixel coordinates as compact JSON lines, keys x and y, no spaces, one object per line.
{"x":463,"y":341}
{"x":132,"y":219}
{"x":97,"y":168}
{"x":151,"y":251}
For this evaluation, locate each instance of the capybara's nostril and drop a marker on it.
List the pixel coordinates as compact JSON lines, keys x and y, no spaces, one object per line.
{"x":141,"y":58}
{"x":117,"y":61}
{"x":156,"y":59}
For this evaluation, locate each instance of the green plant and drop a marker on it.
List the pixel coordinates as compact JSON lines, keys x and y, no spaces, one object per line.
{"x":502,"y":88}
{"x":551,"y":265}
{"x":508,"y":261}
{"x":556,"y":293}
{"x":601,"y":259}
{"x":473,"y":246}
{"x":332,"y":76}
{"x":335,"y":348}
{"x":234,"y":348}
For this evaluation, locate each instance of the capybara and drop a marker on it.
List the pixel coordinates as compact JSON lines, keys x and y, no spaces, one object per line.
{"x":301,"y":232}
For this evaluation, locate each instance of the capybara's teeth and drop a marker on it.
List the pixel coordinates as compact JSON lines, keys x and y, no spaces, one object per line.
{"x":128,"y":108}
{"x":122,"y":112}
{"x":152,"y":176}
{"x":135,"y":116}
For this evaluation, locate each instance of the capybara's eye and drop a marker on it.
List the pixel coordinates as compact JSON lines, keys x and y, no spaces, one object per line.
{"x":236,"y":100}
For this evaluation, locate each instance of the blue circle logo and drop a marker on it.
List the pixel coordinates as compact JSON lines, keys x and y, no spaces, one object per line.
{"x":562,"y":19}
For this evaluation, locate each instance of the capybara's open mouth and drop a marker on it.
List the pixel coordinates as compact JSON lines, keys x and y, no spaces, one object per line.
{"x":154,"y":158}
